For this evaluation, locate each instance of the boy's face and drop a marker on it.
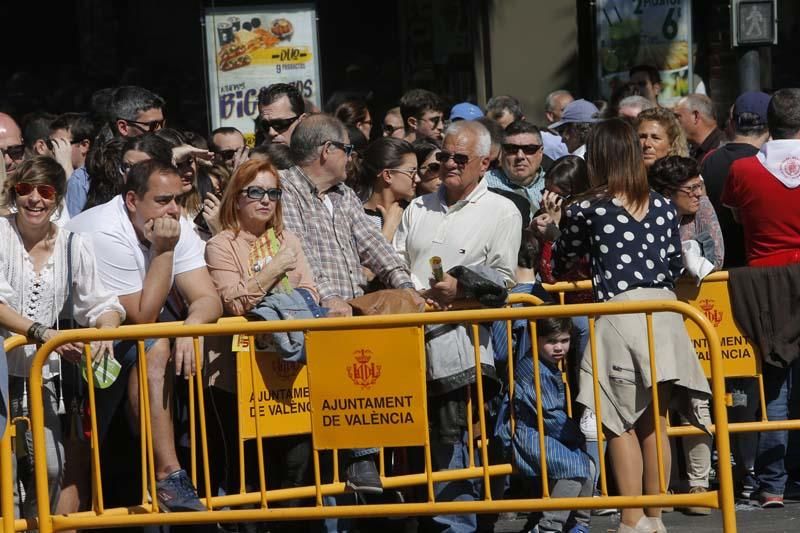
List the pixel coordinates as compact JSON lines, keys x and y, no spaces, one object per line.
{"x":554,"y":348}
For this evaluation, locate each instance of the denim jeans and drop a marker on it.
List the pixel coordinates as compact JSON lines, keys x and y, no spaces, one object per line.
{"x":448,"y":457}
{"x":780,"y":388}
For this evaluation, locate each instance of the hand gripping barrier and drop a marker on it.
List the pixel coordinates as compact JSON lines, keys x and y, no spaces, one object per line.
{"x":365,"y":370}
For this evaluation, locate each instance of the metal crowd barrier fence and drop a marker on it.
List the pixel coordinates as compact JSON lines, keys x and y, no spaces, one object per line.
{"x":739,"y":357}
{"x":366,"y":388}
{"x":9,"y":522}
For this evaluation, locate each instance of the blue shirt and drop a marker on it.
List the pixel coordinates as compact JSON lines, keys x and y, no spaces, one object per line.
{"x":77,"y":191}
{"x":497,"y":179}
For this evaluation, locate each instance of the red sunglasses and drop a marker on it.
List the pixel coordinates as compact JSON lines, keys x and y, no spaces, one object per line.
{"x":48,"y":192}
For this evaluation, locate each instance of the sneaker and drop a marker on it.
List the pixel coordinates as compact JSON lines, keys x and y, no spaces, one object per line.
{"x":176,"y":493}
{"x":770,"y":501}
{"x":362,"y":476}
{"x":696,"y":511}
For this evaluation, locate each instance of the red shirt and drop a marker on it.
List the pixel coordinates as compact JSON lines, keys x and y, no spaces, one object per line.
{"x":768,"y":210}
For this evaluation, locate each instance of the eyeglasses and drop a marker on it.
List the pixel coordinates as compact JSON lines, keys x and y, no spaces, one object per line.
{"x":151,"y":126}
{"x":225,"y":155}
{"x":430,"y":167}
{"x":258,"y":193}
{"x":459,"y":159}
{"x":388,"y":129}
{"x":527,"y":149}
{"x":406,"y":171}
{"x":48,"y":192}
{"x":15,"y":152}
{"x":434,"y":120}
{"x":280,"y":125}
{"x":347,"y":148}
{"x":696,"y":189}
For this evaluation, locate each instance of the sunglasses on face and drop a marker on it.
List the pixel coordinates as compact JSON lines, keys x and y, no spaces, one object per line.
{"x":280,"y":125}
{"x":527,"y":149}
{"x":153,"y":125}
{"x":15,"y":152}
{"x":434,"y":120}
{"x":258,"y":193}
{"x":225,"y":155}
{"x":49,"y":143}
{"x":409,"y":172}
{"x":430,"y":167}
{"x":388,"y":129}
{"x":47,"y":192}
{"x":459,"y":159}
{"x":346,"y":148}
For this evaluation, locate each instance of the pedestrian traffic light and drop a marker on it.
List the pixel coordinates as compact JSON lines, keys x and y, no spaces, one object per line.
{"x":754,"y":22}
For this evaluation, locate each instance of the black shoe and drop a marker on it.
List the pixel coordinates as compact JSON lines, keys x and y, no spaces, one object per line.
{"x":176,"y":493}
{"x":362,"y":476}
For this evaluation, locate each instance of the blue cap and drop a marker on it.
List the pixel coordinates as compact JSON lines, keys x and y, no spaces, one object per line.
{"x":465,"y":111}
{"x":578,"y":111}
{"x":754,"y":102}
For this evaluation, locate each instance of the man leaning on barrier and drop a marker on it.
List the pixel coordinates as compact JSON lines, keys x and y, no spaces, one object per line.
{"x":147,"y":253}
{"x":464,"y":224}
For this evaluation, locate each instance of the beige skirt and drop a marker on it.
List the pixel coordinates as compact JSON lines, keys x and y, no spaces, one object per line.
{"x":623,"y":360}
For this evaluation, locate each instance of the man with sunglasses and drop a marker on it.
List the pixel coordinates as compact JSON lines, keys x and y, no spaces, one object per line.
{"x":146,"y":251}
{"x":280,"y":109}
{"x":135,"y":111}
{"x":520,"y":169}
{"x":227,"y":143}
{"x":464,"y":224}
{"x":423,"y":115}
{"x":338,"y":239}
{"x":12,"y":147}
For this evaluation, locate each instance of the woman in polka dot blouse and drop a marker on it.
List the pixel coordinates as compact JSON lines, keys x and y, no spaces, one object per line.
{"x":631,"y":234}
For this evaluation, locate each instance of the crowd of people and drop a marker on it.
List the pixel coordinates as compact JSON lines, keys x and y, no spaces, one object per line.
{"x":111,"y":217}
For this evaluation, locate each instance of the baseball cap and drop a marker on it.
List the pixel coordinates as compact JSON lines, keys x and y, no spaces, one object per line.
{"x":465,"y":111}
{"x":754,"y":102}
{"x":577,"y":111}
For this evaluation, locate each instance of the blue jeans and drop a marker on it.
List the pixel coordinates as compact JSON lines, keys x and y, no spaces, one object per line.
{"x":780,"y":388}
{"x":450,"y":457}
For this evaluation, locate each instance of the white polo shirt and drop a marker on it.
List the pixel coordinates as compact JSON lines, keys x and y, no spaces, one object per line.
{"x":483,"y":229}
{"x":122,"y":260}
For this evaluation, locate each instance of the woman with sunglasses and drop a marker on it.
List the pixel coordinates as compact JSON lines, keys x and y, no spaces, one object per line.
{"x":34,"y":287}
{"x":427,"y":166}
{"x":388,"y":177}
{"x":251,"y":257}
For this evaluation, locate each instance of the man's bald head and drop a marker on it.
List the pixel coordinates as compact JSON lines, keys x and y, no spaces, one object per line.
{"x":11,"y":144}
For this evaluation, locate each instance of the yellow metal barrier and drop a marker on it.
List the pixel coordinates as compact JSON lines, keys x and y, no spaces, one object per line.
{"x":365,"y":335}
{"x":9,"y":523}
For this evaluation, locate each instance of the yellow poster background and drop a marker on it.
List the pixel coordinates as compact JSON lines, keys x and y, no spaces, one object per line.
{"x":281,"y":396}
{"x":739,"y":358}
{"x":367,"y":387}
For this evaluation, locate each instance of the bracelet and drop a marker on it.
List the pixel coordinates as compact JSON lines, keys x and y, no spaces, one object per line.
{"x":36,"y":332}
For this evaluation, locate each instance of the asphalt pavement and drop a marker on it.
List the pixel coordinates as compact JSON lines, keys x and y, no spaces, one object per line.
{"x":749,"y":519}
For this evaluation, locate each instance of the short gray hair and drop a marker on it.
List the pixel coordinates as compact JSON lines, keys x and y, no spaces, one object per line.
{"x":700,"y":103}
{"x":548,"y":102}
{"x":497,"y":104}
{"x":313,"y":132}
{"x":483,"y":140}
{"x":636,"y":101}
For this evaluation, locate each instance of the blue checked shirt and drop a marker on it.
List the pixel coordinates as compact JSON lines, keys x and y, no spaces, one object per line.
{"x":497,"y":179}
{"x":338,"y":243}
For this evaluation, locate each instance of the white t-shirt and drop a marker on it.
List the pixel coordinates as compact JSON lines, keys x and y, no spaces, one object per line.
{"x":122,"y":260}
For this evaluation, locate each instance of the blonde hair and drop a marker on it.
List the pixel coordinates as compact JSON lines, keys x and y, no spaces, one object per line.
{"x":667,"y":120}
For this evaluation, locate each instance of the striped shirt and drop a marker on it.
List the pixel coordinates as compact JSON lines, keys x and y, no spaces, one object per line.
{"x":339,"y":239}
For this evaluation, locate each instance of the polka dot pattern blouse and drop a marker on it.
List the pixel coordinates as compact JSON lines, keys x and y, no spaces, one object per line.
{"x":625,"y":253}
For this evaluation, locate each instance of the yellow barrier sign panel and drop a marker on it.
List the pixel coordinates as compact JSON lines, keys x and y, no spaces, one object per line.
{"x":739,"y":358}
{"x":280,"y":399}
{"x":367,"y":387}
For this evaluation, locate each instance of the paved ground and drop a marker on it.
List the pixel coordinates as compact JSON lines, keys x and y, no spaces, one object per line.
{"x":748,"y":519}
